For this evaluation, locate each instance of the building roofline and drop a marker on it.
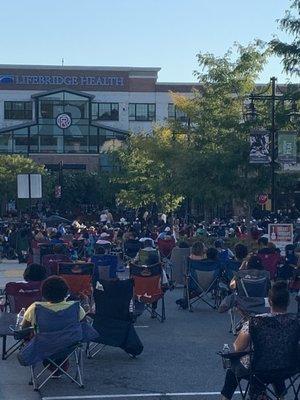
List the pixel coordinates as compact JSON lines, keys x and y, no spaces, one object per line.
{"x":62,"y":89}
{"x":109,"y":128}
{"x":177,"y":83}
{"x":78,"y":67}
{"x":18,"y":126}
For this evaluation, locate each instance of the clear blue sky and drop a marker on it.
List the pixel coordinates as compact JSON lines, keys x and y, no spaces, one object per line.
{"x":163,"y":33}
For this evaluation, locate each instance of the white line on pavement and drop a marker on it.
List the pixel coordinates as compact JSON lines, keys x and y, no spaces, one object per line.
{"x":141,"y":326}
{"x":120,"y":396}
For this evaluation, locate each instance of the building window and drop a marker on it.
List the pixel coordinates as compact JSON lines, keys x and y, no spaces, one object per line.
{"x":141,"y":112}
{"x":18,"y":110}
{"x":105,"y":111}
{"x":175,"y":114}
{"x":50,"y":109}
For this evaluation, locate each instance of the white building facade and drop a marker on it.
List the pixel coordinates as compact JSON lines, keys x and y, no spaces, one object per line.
{"x":73,"y":114}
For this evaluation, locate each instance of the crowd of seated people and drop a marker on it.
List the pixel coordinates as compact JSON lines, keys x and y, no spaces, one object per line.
{"x":134,"y":243}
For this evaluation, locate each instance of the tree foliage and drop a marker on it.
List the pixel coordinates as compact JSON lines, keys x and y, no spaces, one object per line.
{"x":290,"y":52}
{"x":219,"y":138}
{"x":146,"y":175}
{"x":206,"y":159}
{"x":80,"y":188}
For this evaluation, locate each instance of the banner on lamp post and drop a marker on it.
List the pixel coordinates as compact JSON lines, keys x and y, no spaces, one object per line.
{"x":287,"y":147}
{"x":260,"y":147}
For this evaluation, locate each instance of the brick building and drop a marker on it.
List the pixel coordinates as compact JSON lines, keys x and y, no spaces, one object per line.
{"x":75,"y":114}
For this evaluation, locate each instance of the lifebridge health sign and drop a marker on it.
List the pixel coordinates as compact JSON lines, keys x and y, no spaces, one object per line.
{"x":69,"y":80}
{"x":50,"y":79}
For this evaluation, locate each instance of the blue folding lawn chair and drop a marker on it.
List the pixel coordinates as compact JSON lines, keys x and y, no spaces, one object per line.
{"x":202,"y":282}
{"x":106,"y":266}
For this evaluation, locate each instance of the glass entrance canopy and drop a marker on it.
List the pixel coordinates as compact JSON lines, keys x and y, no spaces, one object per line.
{"x":62,"y":125}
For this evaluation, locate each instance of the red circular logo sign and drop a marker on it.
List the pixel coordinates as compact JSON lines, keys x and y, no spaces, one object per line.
{"x":262,"y":198}
{"x":63,"y":121}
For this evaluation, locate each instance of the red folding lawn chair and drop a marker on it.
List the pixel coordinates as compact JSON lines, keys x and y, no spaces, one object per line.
{"x":148,"y":288}
{"x":21,"y":295}
{"x":18,"y":295}
{"x":78,"y":277}
{"x":51,"y":261}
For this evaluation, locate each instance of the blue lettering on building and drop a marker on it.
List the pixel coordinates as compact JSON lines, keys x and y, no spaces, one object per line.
{"x":62,"y":80}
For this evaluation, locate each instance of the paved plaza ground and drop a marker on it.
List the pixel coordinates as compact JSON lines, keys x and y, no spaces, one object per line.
{"x":179,"y":361}
{"x":179,"y":357}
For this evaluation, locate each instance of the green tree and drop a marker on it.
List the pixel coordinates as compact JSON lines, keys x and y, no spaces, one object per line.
{"x":216,"y":166}
{"x":81,"y":187}
{"x":290,"y":52}
{"x":205,"y":160}
{"x":147,"y":171}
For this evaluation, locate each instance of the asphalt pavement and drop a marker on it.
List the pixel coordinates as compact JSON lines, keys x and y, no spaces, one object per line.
{"x":14,"y":378}
{"x":179,"y":360}
{"x":10,"y":271}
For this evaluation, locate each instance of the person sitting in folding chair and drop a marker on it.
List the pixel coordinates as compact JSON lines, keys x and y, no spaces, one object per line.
{"x":202,"y":280}
{"x":131,"y":247}
{"x":250,"y":290}
{"x":149,"y":282}
{"x":252,"y":264}
{"x":22,"y":294}
{"x":51,"y":261}
{"x":270,"y":258}
{"x":59,"y":333}
{"x":35,"y":273}
{"x":274,"y":339}
{"x":233,"y":265}
{"x":18,"y":296}
{"x":148,"y":254}
{"x":166,"y":244}
{"x":198,"y":251}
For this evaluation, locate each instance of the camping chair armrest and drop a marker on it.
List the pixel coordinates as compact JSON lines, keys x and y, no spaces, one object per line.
{"x":224,"y":286}
{"x":236,"y":355}
{"x":20,"y":334}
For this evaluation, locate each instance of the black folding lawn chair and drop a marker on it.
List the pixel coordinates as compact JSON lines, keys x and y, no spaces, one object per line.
{"x":273,"y":368}
{"x":113,"y":320}
{"x":250,"y":297}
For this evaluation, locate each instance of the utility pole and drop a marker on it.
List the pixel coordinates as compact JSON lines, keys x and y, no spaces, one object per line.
{"x":273,"y":144}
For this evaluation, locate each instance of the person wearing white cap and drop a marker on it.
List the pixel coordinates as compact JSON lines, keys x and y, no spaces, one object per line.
{"x":144,"y":239}
{"x":103,"y":239}
{"x":103,"y":217}
{"x":163,"y":217}
{"x":163,"y":234}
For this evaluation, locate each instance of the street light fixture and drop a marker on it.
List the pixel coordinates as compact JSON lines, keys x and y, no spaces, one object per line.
{"x":250,"y":114}
{"x":294,"y":115}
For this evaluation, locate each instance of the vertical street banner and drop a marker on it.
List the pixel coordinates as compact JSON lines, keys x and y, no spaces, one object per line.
{"x":281,"y":235}
{"x":287,"y":147}
{"x":260,"y":147}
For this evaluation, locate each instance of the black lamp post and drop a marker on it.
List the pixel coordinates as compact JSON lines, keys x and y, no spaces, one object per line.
{"x":251,"y":115}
